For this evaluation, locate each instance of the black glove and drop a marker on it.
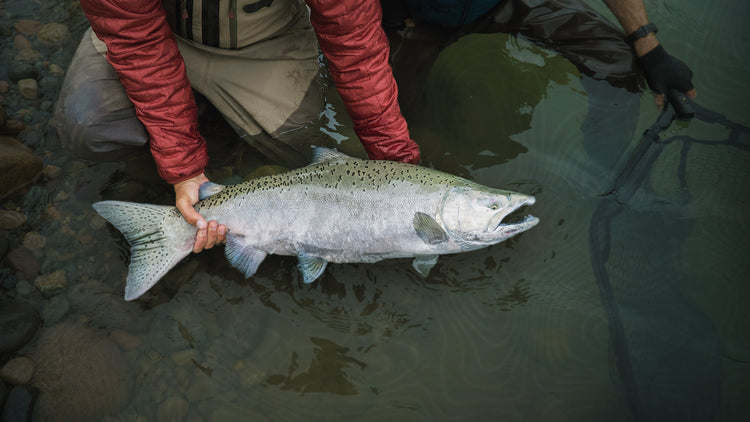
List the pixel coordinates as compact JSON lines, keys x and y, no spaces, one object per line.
{"x":664,"y":72}
{"x":668,"y":75}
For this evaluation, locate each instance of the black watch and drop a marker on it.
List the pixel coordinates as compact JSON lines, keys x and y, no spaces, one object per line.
{"x":641,"y":32}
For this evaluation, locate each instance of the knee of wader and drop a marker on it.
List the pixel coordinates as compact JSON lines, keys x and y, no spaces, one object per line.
{"x":96,"y":134}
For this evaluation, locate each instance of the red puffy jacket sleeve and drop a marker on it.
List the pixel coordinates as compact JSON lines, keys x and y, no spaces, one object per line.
{"x":351,"y":37}
{"x":142,"y":49}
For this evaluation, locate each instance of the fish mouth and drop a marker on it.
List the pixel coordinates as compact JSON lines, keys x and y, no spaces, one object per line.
{"x":518,"y":225}
{"x":515,"y":221}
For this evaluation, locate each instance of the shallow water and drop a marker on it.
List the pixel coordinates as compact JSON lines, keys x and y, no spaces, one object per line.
{"x":620,"y":306}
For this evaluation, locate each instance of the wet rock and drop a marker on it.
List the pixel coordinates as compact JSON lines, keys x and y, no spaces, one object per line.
{"x":3,"y":115}
{"x":174,"y":408}
{"x":19,"y":71}
{"x":54,"y":309}
{"x":81,"y":375}
{"x":236,"y":412}
{"x":125,"y":340}
{"x":12,"y":127}
{"x":28,"y":27}
{"x":53,"y":34}
{"x":11,"y":220}
{"x":184,"y":357}
{"x":24,"y":288}
{"x":202,"y":388}
{"x":23,"y":263}
{"x":18,"y":371}
{"x":19,"y":166}
{"x":56,"y":70}
{"x":34,"y":241}
{"x":19,"y":405}
{"x":52,"y":283}
{"x":96,"y":222}
{"x":19,"y":323}
{"x":178,"y":326}
{"x":4,"y":88}
{"x":4,"y":246}
{"x":105,"y":307}
{"x":52,"y":171}
{"x":28,"y":88}
{"x":27,"y":55}
{"x":20,"y":42}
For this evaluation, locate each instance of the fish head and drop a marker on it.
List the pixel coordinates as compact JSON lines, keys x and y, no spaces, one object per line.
{"x":480,"y":216}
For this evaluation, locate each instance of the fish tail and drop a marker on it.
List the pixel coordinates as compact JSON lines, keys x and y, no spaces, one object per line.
{"x":158,"y":236}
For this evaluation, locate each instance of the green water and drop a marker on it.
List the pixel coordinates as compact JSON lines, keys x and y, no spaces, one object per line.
{"x":615,"y":308}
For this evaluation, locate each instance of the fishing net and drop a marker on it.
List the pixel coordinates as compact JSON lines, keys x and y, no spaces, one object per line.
{"x":678,"y":336}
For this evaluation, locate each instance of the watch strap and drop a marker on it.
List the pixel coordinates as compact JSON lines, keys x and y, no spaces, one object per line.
{"x":641,"y":32}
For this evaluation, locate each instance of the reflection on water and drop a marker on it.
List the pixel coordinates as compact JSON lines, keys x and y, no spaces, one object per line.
{"x":615,"y":307}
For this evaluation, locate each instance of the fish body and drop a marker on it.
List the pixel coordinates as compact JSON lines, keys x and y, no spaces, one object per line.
{"x":337,"y":209}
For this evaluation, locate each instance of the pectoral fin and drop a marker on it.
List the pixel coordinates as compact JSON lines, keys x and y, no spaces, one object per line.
{"x":243,"y":257}
{"x":424,"y":263}
{"x":428,"y":229}
{"x":311,"y":267}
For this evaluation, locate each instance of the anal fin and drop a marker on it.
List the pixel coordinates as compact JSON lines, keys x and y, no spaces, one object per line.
{"x":311,"y":267}
{"x":424,"y":263}
{"x":243,"y":257}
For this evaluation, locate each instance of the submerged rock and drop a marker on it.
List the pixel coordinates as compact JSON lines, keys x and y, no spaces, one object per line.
{"x":105,"y":307}
{"x":28,"y":88}
{"x":4,"y":246}
{"x":19,"y":405}
{"x":34,"y":241}
{"x":52,"y":283}
{"x":18,"y":371}
{"x":53,"y":34}
{"x":23,"y":263}
{"x":19,"y":71}
{"x":19,"y":166}
{"x":81,"y":375}
{"x":11,"y":220}
{"x":54,"y":309}
{"x":172,"y":409}
{"x":28,"y":27}
{"x":19,"y":323}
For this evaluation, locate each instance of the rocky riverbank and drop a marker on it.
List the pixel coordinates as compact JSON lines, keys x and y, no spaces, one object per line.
{"x":45,"y":358}
{"x":71,"y":348}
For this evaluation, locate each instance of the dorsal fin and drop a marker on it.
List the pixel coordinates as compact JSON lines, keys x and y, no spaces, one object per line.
{"x":323,"y":154}
{"x":207,"y":189}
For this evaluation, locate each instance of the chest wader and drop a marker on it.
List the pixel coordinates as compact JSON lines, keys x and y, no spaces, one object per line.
{"x":258,"y":66}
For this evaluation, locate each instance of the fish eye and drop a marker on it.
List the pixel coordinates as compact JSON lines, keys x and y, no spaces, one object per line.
{"x":494,"y":206}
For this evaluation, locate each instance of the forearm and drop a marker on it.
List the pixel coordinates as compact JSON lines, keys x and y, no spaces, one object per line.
{"x":143,"y":51}
{"x":351,"y":37}
{"x":632,"y":14}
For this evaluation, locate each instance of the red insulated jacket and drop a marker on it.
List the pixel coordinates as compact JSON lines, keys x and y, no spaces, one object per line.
{"x":142,"y":49}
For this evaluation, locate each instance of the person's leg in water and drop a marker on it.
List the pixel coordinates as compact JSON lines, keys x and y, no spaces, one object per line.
{"x":597,"y":47}
{"x":593,"y":44}
{"x":97,"y":121}
{"x":94,"y":116}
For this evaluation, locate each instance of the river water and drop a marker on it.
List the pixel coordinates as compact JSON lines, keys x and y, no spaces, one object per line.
{"x":627,"y":302}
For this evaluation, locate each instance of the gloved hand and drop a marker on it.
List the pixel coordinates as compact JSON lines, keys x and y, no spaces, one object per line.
{"x":664,"y":72}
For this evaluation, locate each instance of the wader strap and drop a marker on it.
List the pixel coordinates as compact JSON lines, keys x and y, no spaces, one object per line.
{"x":224,"y":23}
